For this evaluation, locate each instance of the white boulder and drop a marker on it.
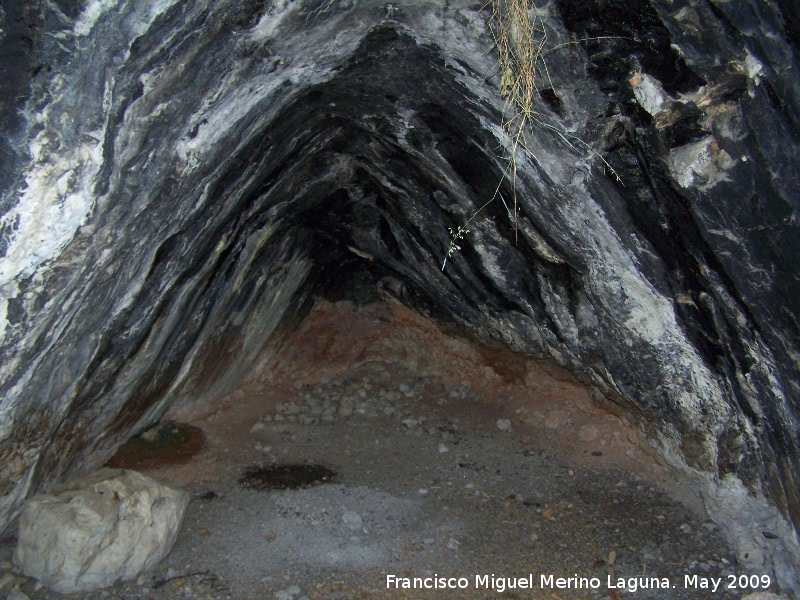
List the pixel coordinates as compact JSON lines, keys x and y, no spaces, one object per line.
{"x":92,"y":531}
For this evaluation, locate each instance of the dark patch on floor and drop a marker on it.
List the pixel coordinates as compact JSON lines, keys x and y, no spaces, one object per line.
{"x":285,"y":477}
{"x":164,"y":444}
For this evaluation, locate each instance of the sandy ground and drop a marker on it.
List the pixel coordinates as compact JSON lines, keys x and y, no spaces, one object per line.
{"x":454,"y":464}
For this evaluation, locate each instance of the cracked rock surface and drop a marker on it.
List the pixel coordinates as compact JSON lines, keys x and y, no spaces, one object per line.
{"x":180,"y":181}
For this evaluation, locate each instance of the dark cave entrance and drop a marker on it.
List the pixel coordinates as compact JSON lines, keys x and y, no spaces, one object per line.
{"x":449,"y":456}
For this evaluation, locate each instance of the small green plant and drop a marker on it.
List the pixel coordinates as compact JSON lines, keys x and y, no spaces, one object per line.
{"x":520,"y":37}
{"x":457,"y":235}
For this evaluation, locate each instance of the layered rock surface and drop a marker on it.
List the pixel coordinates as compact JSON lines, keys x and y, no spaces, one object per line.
{"x":181,"y":179}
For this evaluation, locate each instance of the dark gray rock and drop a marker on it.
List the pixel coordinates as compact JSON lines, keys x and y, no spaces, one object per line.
{"x":181,"y":179}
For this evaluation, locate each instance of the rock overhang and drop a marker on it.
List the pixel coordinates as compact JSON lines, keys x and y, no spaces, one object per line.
{"x":208,"y":168}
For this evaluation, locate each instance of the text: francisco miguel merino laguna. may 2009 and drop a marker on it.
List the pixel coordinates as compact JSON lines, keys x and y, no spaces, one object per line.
{"x":500,"y":584}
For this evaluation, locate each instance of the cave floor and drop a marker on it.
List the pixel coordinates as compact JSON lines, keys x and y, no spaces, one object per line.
{"x":451,"y":461}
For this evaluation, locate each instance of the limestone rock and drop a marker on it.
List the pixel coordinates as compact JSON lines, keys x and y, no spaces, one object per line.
{"x":92,"y":531}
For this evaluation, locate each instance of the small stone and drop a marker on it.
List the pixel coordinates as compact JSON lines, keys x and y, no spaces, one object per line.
{"x":503,"y":424}
{"x":352,"y":520}
{"x":151,"y":434}
{"x":453,"y":544}
{"x":443,"y":448}
{"x":588,"y":433}
{"x":16,"y":594}
{"x":410,"y":423}
{"x":6,"y":581}
{"x":555,"y":419}
{"x":298,"y":384}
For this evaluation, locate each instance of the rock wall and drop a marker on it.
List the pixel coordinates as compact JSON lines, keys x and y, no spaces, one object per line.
{"x":181,"y":179}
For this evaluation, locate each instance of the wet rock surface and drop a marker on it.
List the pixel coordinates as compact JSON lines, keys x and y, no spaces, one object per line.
{"x":181,"y":180}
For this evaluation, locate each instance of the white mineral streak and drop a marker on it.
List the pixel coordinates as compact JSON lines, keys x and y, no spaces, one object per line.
{"x":272,"y":19}
{"x":702,"y":164}
{"x":754,"y":68}
{"x":650,"y":318}
{"x":155,"y":9}
{"x":58,"y":199}
{"x":227,"y":106}
{"x":692,"y":162}
{"x":489,"y":260}
{"x":649,"y":93}
{"x":91,"y":14}
{"x":147,"y":13}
